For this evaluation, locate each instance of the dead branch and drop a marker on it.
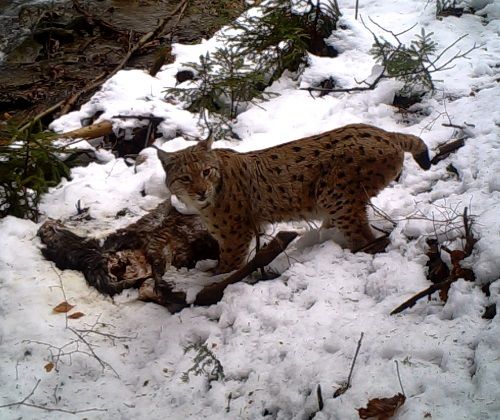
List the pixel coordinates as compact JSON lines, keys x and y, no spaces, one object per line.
{"x":150,"y":118}
{"x":257,"y":249}
{"x":73,"y":346}
{"x":146,"y":38}
{"x":460,"y":127}
{"x":110,"y":336}
{"x":93,"y":84}
{"x":437,"y":269}
{"x":446,"y":149}
{"x":213,"y":293}
{"x":427,"y":292}
{"x":377,"y":245}
{"x":97,"y":20}
{"x":43,"y":407}
{"x":105,"y":127}
{"x":319,"y":395}
{"x":347,"y":385}
{"x":370,"y":86}
{"x":470,"y":239}
{"x":42,"y":114}
{"x":93,"y":131}
{"x":103,"y":364}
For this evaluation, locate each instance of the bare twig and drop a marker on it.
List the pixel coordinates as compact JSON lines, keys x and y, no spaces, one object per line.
{"x":395,"y":35}
{"x":319,"y":395}
{"x":25,"y":398}
{"x":470,"y":239}
{"x":457,"y":271}
{"x":354,"y":360}
{"x":431,"y":66}
{"x":347,"y":385}
{"x":103,"y":364}
{"x":42,"y":114}
{"x":370,"y":86}
{"x":56,"y":398}
{"x":43,"y":407}
{"x":399,"y":378}
{"x":427,"y":292}
{"x":460,"y":127}
{"x":457,"y":55}
{"x":61,"y":286}
{"x":73,"y":346}
{"x":112,"y":337}
{"x":257,"y":249}
{"x":448,"y":222}
{"x":140,"y":117}
{"x":67,"y":104}
{"x":179,"y":10}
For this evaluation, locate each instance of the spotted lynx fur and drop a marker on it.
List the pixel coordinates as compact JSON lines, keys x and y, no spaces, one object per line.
{"x":329,"y":176}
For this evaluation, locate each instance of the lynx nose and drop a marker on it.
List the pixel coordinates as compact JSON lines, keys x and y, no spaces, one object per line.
{"x":202,"y":195}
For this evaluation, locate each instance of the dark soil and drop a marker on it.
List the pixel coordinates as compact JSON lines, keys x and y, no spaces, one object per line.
{"x":68,"y":45}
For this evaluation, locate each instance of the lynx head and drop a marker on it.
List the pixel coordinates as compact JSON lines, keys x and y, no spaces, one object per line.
{"x":192,"y":174}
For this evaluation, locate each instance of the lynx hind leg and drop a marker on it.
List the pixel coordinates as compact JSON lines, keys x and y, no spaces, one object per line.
{"x":349,"y":216}
{"x":233,"y":250}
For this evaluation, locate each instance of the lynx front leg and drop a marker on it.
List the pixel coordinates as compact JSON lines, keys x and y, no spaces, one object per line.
{"x":233,"y":249}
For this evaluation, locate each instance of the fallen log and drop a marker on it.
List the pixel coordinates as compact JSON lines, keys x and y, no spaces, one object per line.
{"x":213,"y":293}
{"x":446,"y":149}
{"x":93,"y":131}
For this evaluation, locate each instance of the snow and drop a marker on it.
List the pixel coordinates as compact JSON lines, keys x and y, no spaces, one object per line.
{"x":278,"y":340}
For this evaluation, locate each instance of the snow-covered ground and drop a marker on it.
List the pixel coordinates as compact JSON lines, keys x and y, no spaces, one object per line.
{"x":278,"y":340}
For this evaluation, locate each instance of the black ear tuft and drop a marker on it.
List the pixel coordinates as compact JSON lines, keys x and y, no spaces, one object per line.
{"x":208,"y":142}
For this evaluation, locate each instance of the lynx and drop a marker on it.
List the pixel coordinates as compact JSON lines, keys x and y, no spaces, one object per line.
{"x":329,"y":176}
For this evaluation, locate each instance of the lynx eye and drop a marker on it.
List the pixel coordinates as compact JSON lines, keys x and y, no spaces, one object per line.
{"x":185,"y":178}
{"x":206,"y":172}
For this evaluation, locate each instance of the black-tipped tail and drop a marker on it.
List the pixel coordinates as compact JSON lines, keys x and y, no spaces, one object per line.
{"x":416,"y":146}
{"x":423,"y":160}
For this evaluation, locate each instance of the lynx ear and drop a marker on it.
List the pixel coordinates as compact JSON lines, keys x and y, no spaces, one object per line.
{"x":165,"y":157}
{"x":207,"y":143}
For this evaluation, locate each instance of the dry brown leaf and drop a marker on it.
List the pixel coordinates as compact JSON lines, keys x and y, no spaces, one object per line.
{"x":63,"y":307}
{"x":76,"y":315}
{"x":48,"y":367}
{"x":382,"y":408}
